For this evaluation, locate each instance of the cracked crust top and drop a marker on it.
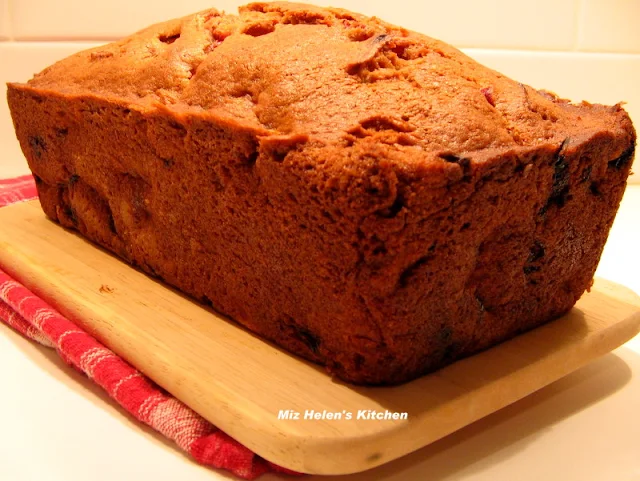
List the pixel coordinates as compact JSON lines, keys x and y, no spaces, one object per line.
{"x":329,"y":75}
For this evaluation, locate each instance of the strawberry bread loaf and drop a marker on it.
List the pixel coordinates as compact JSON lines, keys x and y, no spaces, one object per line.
{"x":364,"y":196}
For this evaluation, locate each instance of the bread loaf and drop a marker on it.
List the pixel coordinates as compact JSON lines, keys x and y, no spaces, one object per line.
{"x":364,"y":196}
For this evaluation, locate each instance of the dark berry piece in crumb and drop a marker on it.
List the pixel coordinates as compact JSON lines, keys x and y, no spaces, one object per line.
{"x":531,"y":269}
{"x":403,"y":281}
{"x":38,"y":145}
{"x":279,"y":156}
{"x":536,"y":252}
{"x":448,"y":157}
{"x":393,"y":210}
{"x":168,"y":162}
{"x":463,"y":162}
{"x":624,"y":159}
{"x":307,"y":338}
{"x":560,"y":188}
{"x":252,"y":158}
{"x":455,"y":159}
{"x":488,"y":94}
{"x":481,"y":308}
{"x":445,"y":335}
{"x":62,"y":132}
{"x":112,"y":224}
{"x":560,"y":173}
{"x":358,"y":361}
{"x":450,"y":351}
{"x":169,"y":39}
{"x":73,"y":179}
{"x":71,"y":215}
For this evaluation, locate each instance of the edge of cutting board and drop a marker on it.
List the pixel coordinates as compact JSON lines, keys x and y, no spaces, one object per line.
{"x":239,"y":382}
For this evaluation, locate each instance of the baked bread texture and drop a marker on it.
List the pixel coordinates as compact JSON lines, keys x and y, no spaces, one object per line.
{"x":364,"y":196}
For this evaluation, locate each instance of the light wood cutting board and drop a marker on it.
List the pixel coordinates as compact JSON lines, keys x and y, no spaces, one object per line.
{"x":241,"y":383}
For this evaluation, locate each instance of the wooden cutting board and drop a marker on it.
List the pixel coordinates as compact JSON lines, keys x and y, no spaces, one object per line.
{"x":241,"y":383}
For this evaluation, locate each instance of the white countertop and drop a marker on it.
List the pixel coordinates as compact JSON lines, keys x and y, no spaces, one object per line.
{"x":57,"y":426}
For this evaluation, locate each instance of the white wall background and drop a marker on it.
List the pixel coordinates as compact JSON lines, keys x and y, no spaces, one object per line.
{"x":581,"y":49}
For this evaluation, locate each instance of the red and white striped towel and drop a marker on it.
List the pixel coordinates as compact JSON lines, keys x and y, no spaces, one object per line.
{"x":147,"y":402}
{"x":17,"y":190}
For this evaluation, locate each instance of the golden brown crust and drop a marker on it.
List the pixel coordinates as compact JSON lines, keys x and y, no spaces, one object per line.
{"x":269,"y":69}
{"x":365,"y":196}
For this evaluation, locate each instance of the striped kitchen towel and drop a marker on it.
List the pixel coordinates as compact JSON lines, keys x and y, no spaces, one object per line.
{"x":147,"y":402}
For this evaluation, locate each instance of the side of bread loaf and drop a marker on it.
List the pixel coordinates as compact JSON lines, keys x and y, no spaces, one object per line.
{"x":366,"y":197}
